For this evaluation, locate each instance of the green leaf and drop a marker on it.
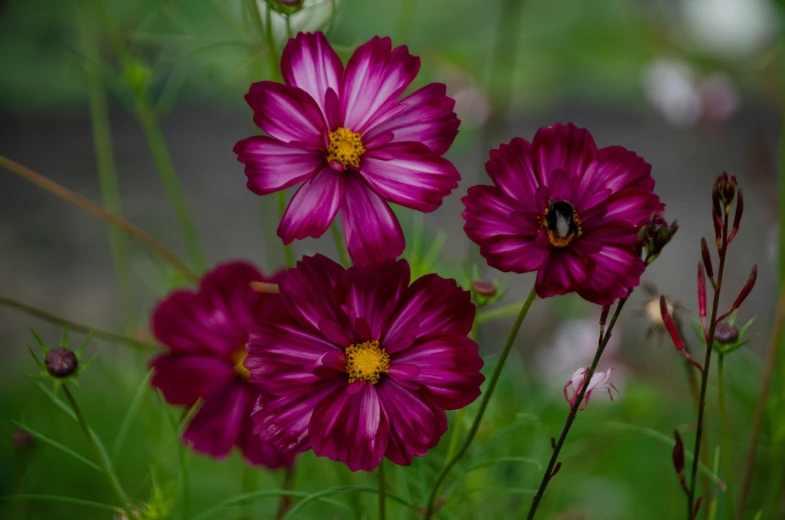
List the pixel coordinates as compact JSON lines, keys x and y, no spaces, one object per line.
{"x":68,"y":500}
{"x":266,"y":493}
{"x":41,"y":343}
{"x":64,"y":338}
{"x":84,"y":344}
{"x":130,"y":415}
{"x":344,"y":489}
{"x":43,"y":438}
{"x":35,"y":357}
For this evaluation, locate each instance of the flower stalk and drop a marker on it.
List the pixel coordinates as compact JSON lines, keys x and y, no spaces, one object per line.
{"x":430,"y":508}
{"x":286,"y":500}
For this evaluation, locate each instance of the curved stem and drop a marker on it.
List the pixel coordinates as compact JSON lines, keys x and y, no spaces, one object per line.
{"x":88,"y":205}
{"x":286,"y":500}
{"x":429,"y":511}
{"x":340,"y":244}
{"x":549,"y":471}
{"x":101,"y":456}
{"x":382,"y":492}
{"x":109,"y":336}
{"x":727,"y":454}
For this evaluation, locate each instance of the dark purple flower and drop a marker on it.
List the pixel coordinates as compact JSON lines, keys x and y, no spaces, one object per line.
{"x":563,"y":208}
{"x":206,"y":332}
{"x":352,"y":144}
{"x":365,"y":363}
{"x":61,"y":362}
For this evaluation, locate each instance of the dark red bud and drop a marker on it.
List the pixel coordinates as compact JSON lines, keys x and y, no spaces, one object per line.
{"x":725,"y":333}
{"x":483,"y":288}
{"x":747,"y":289}
{"x":718,"y":225}
{"x":669,"y":324}
{"x":701,"y":291}
{"x":22,"y":439}
{"x":737,"y":216}
{"x":606,"y":309}
{"x":678,"y":452}
{"x":707,"y":258}
{"x":716,"y":209}
{"x":555,"y":470}
{"x":60,"y":362}
{"x":697,"y":508}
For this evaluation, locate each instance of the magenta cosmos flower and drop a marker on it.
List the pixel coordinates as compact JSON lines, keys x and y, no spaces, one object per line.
{"x":363,"y":364}
{"x":563,"y":208}
{"x":205,"y":332}
{"x":350,"y":141}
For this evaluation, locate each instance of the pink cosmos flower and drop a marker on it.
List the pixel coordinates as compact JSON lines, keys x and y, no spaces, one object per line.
{"x":599,"y":381}
{"x":352,"y":144}
{"x":365,"y":363}
{"x":563,"y":208}
{"x":205,"y":332}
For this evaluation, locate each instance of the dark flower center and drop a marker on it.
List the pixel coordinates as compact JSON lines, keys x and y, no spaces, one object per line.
{"x":366,"y":361}
{"x":345,"y":148}
{"x":561,"y":222}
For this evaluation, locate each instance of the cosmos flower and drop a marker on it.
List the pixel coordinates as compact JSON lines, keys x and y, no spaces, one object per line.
{"x":563,"y":208}
{"x":365,"y":363}
{"x":205,"y":332}
{"x":344,"y":136}
{"x":599,"y":381}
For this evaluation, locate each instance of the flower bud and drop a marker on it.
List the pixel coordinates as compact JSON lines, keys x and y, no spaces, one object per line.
{"x":707,"y":258}
{"x":701,"y":292}
{"x":483,"y":288}
{"x":726,"y":333}
{"x":21,"y":439}
{"x":747,"y":289}
{"x":737,"y":216}
{"x":678,"y":452}
{"x":60,"y":362}
{"x":291,"y":3}
{"x":726,"y":188}
{"x":654,"y":236}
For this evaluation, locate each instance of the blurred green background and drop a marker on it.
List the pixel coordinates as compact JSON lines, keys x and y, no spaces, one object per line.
{"x":693,"y":86}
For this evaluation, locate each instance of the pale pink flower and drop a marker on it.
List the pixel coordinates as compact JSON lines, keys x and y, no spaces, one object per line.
{"x":599,"y":381}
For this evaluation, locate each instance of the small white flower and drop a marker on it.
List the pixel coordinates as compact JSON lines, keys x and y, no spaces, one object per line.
{"x":599,"y":381}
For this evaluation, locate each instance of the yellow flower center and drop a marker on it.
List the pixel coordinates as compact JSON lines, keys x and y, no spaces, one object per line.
{"x":346,"y":148}
{"x":237,"y":358}
{"x":561,"y":222}
{"x":366,"y":362}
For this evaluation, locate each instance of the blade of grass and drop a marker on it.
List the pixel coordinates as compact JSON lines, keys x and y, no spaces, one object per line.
{"x":68,"y":500}
{"x":43,"y":438}
{"x":266,"y":493}
{"x":130,"y":415}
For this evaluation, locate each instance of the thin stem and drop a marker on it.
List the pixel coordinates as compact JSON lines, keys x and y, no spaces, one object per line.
{"x":109,"y":336}
{"x":760,"y":405}
{"x":106,"y":164}
{"x":498,"y":313}
{"x":174,"y":191}
{"x":249,"y":484}
{"x":288,"y":27}
{"x":88,"y":205}
{"x":549,"y":471}
{"x":429,"y":511}
{"x":286,"y":500}
{"x":727,"y":454}
{"x":706,"y":366}
{"x":101,"y":456}
{"x":340,"y":243}
{"x":268,"y":31}
{"x":288,"y":249}
{"x":382,"y":492}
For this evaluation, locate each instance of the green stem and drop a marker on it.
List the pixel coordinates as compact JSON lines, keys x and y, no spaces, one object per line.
{"x":498,"y":313}
{"x":727,"y":453}
{"x":101,"y":456}
{"x":107,"y":166}
{"x":109,"y":336}
{"x":248,"y":484}
{"x":340,"y":243}
{"x":429,"y":511}
{"x":288,"y":249}
{"x":549,"y":471}
{"x":163,"y":162}
{"x":382,"y":492}
{"x":268,"y":31}
{"x":286,"y":500}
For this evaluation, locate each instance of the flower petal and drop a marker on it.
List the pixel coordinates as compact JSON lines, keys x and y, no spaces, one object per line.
{"x":217,"y":317}
{"x":416,"y":421}
{"x":436,"y":304}
{"x":564,"y":271}
{"x":612,"y":272}
{"x":313,"y":207}
{"x":280,"y":357}
{"x":283,"y":421}
{"x":516,"y":253}
{"x":428,"y":119}
{"x":272,"y":165}
{"x":255,"y":451}
{"x":184,"y":379}
{"x":632,"y":206}
{"x":308,"y":292}
{"x":488,"y":212}
{"x":216,"y":427}
{"x":562,"y":147}
{"x":287,"y":113}
{"x":415,"y":177}
{"x":449,"y":367}
{"x":512,"y":169}
{"x":375,"y":76}
{"x":372,"y":232}
{"x":340,"y":426}
{"x":372,"y":291}
{"x":310,"y":63}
